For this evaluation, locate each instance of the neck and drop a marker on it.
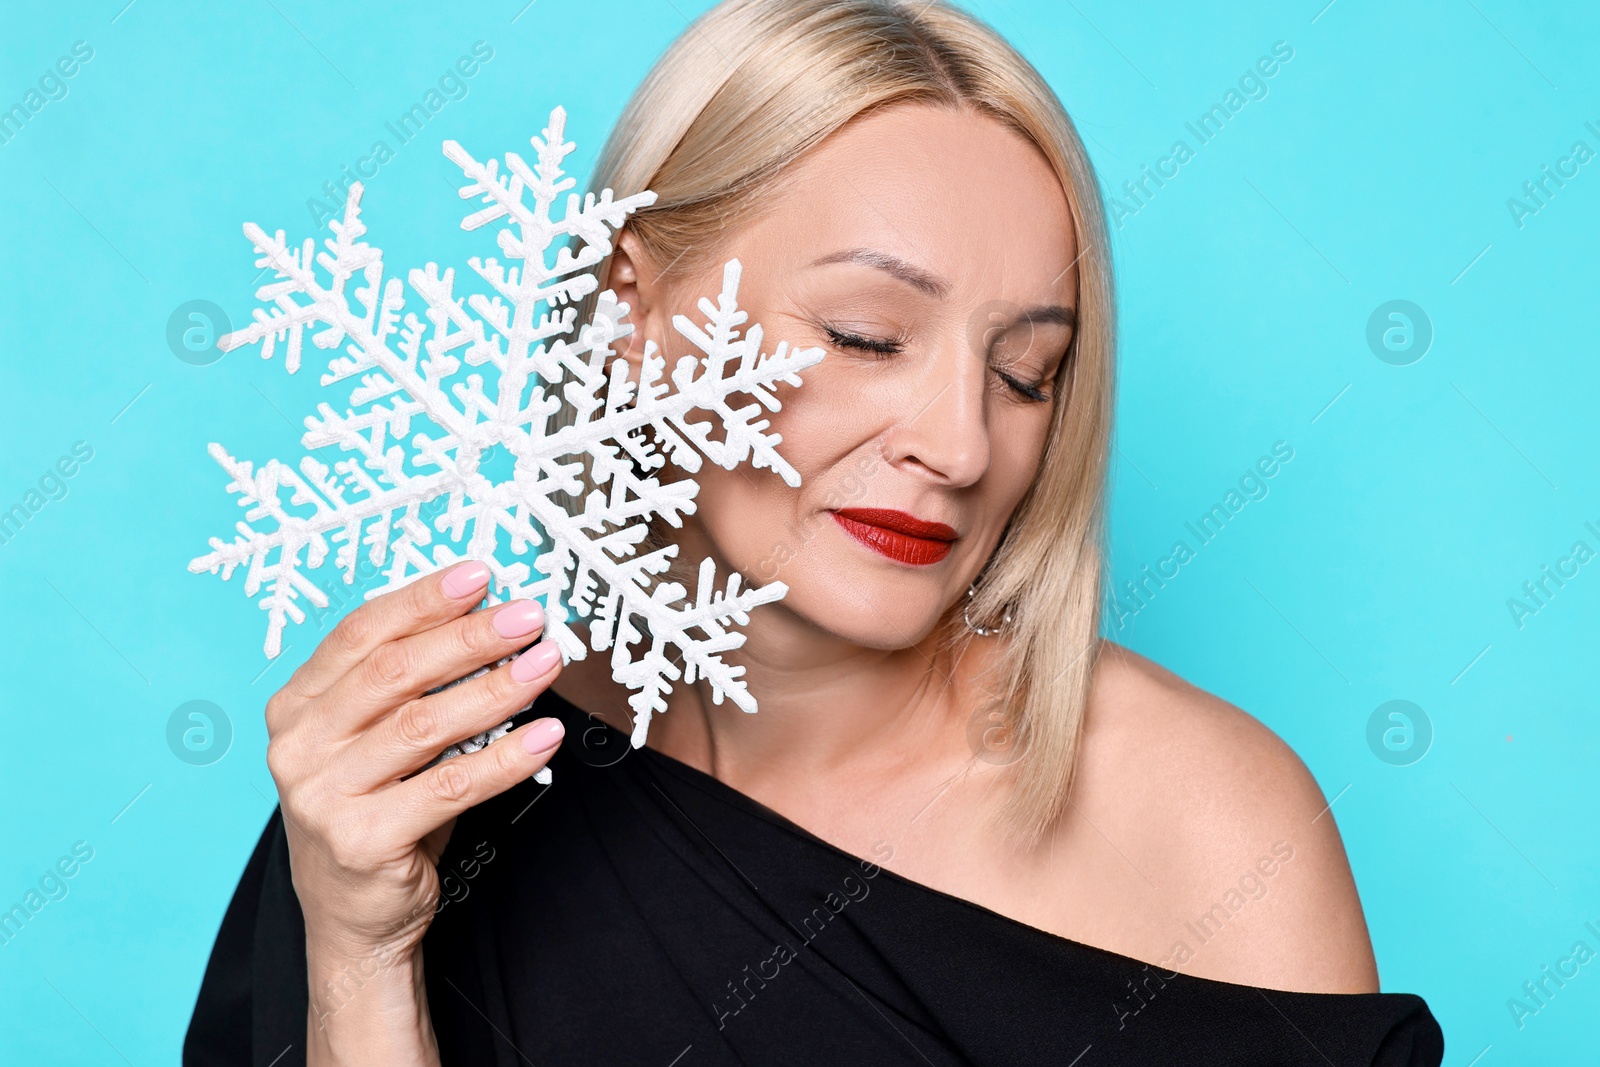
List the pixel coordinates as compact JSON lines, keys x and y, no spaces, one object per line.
{"x":826,"y":706}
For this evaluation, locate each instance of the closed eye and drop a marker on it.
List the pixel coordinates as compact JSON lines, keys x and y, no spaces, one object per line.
{"x":879,"y":346}
{"x":1027,"y":389}
{"x":865,"y":344}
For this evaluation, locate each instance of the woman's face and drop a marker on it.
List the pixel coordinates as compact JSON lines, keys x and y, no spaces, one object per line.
{"x":930,"y":254}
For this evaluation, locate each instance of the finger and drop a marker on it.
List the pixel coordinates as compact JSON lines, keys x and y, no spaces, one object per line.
{"x":404,"y":669}
{"x":406,"y":739}
{"x":441,"y":793}
{"x":413,"y":608}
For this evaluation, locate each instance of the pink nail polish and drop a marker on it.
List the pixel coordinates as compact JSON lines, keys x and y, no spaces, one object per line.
{"x":536,"y":662}
{"x":542,"y":736}
{"x":465,"y":579}
{"x":518,"y":620}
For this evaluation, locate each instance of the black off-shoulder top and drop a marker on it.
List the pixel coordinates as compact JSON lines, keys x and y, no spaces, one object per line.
{"x":637,"y":911}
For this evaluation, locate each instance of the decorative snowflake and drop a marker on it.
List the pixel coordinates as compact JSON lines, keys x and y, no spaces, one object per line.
{"x":484,"y":464}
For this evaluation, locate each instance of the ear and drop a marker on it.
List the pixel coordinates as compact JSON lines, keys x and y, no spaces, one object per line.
{"x":637,"y":284}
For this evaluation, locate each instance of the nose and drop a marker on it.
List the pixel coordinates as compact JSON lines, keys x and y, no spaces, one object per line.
{"x":944,"y":428}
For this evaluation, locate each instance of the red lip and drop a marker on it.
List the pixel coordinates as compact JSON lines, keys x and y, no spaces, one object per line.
{"x":896,"y":534}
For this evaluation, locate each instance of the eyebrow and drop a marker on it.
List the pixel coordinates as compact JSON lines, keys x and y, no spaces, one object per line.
{"x":1050,"y":314}
{"x":917,"y":278}
{"x":913,"y":276}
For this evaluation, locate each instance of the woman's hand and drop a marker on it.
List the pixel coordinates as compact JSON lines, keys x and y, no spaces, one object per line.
{"x":350,"y":733}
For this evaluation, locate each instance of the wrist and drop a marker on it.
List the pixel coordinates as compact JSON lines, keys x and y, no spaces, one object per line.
{"x":368,"y":1009}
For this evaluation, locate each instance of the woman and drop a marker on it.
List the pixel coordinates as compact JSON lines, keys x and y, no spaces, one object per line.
{"x":961,"y":828}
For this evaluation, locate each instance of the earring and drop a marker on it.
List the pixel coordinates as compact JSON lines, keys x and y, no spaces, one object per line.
{"x":982,"y":631}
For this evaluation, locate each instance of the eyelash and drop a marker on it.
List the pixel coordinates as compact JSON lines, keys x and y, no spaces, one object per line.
{"x":1027,"y":390}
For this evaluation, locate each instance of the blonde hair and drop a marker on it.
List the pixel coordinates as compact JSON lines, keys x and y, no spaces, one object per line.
{"x":747,"y":88}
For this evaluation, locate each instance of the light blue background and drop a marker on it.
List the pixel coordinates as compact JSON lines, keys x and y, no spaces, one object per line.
{"x":1419,"y":498}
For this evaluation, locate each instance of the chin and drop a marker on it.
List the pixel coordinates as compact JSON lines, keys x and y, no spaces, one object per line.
{"x":868,"y":602}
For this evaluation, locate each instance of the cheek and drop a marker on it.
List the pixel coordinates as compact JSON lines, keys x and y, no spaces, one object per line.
{"x":827,"y":418}
{"x":835,"y":413}
{"x":1017,"y":443}
{"x":757,"y":521}
{"x":745,"y":515}
{"x":1020,"y":437}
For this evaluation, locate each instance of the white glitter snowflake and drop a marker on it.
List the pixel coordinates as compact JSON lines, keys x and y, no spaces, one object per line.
{"x":487,"y":451}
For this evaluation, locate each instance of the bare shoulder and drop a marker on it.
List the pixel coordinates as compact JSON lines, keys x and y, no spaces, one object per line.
{"x":1235,"y":843}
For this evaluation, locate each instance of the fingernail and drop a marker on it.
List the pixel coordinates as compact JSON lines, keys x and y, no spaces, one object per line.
{"x":519,"y":619}
{"x":542,"y":736}
{"x":466,"y":579}
{"x":536,"y":662}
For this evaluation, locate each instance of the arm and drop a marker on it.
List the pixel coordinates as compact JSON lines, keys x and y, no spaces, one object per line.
{"x":368,"y":1010}
{"x":365,"y":817}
